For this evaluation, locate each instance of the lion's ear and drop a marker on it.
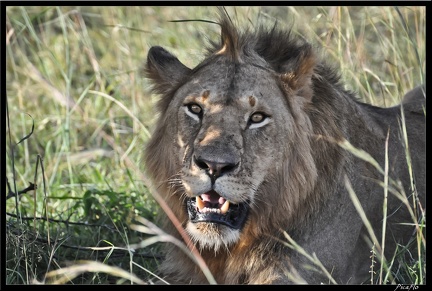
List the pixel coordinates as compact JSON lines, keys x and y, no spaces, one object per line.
{"x":296,"y":75}
{"x":164,"y":69}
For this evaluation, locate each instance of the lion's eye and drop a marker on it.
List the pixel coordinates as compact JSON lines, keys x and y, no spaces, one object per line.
{"x":195,"y":109}
{"x":257,"y":117}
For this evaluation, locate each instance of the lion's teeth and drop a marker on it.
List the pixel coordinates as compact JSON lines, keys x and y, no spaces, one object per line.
{"x":224,"y":207}
{"x":201,"y":207}
{"x":199,"y":203}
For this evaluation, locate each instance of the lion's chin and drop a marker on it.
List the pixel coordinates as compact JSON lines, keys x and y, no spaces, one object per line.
{"x":212,"y":236}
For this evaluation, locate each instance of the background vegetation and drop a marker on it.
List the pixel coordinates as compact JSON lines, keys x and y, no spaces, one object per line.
{"x":79,"y":114}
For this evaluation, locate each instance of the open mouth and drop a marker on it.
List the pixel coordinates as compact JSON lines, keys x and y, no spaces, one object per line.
{"x":211,"y":207}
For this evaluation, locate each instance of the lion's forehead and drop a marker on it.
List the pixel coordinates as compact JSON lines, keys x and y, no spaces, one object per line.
{"x":233,"y":82}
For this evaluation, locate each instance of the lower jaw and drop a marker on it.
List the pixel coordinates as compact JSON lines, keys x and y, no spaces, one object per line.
{"x":212,"y":236}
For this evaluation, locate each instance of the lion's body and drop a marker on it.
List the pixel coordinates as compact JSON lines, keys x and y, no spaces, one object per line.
{"x":261,"y":123}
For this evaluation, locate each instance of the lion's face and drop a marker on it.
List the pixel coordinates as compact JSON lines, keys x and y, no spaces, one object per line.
{"x":228,"y":127}
{"x":232,"y":142}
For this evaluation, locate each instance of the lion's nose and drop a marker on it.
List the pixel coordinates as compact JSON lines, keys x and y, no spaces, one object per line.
{"x":215,"y":169}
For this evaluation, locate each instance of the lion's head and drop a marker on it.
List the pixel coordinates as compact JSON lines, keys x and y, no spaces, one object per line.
{"x":231,"y":136}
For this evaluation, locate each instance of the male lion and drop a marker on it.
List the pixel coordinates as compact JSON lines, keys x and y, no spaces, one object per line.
{"x":252,"y":148}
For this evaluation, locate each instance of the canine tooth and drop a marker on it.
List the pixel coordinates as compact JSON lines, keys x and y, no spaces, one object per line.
{"x":199,"y":203}
{"x":224,"y":207}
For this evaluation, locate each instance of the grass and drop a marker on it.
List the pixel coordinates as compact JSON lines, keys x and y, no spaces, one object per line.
{"x":79,"y":115}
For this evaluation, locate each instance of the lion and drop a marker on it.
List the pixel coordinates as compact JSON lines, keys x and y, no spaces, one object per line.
{"x":250,"y":150}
